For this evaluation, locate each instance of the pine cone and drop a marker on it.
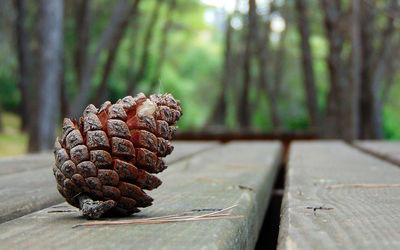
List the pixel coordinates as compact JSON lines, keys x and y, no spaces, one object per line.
{"x":112,"y":153}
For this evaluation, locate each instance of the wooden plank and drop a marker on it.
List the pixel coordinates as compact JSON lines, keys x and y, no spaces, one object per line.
{"x":183,"y":149}
{"x":26,"y":190}
{"x":237,"y":173}
{"x":359,"y":195}
{"x":387,"y":150}
{"x":11,"y":165}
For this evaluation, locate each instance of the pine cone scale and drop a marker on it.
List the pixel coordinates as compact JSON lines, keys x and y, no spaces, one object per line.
{"x":118,"y":128}
{"x":132,"y":191}
{"x":128,"y":172}
{"x":111,"y":193}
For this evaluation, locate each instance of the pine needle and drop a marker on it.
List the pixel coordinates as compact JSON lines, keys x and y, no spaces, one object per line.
{"x":182,"y":217}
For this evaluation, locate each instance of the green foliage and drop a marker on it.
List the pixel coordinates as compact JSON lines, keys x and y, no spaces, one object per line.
{"x":261,"y":116}
{"x":300,"y":123}
{"x":391,"y":124}
{"x":192,"y":69}
{"x":194,"y":83}
{"x":9,"y":92}
{"x":391,"y":118}
{"x":320,"y":53}
{"x":12,"y":141}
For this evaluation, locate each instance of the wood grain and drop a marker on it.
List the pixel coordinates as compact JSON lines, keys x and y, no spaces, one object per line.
{"x":28,"y":191}
{"x":181,"y":191}
{"x":27,"y":183}
{"x":186,"y":149}
{"x":17,"y":164}
{"x":328,"y":174}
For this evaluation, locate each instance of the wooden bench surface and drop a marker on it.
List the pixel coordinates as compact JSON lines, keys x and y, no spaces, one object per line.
{"x":386,"y":149}
{"x":359,"y":195}
{"x":27,"y":182}
{"x":17,"y":164}
{"x":239,"y":173}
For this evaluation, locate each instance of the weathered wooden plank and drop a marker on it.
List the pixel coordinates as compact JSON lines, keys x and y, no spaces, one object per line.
{"x":388,"y":150}
{"x":10,"y":165}
{"x":184,"y":149}
{"x":237,"y":173}
{"x":26,"y":190}
{"x":323,"y":173}
{"x":16,"y":164}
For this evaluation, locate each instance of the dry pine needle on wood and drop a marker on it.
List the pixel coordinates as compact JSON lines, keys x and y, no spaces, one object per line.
{"x":182,"y":217}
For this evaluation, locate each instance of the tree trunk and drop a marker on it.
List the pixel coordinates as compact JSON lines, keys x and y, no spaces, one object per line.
{"x":367,"y":32}
{"x":44,"y":113}
{"x":163,"y":45}
{"x":393,"y":65}
{"x":140,"y":73}
{"x":102,"y":91}
{"x":355,"y":73}
{"x":338,"y":99}
{"x":133,"y":46}
{"x":24,"y":62}
{"x":218,"y":115}
{"x":244,"y":111}
{"x":307,"y":65}
{"x":65,"y":103}
{"x":374,"y":72}
{"x":120,"y":13}
{"x":280,"y":63}
{"x":265,"y":83}
{"x":83,"y":21}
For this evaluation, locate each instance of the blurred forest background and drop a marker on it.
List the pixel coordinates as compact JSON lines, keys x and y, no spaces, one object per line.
{"x":326,"y":67}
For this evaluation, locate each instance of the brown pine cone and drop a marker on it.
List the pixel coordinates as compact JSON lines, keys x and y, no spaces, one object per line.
{"x":112,"y":153}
